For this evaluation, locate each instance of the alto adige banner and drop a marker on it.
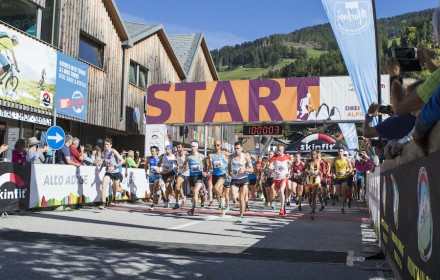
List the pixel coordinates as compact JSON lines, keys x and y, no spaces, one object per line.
{"x":53,"y":185}
{"x":353,"y":25}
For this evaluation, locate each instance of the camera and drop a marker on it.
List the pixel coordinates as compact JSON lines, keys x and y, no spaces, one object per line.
{"x":407,"y":58}
{"x":379,"y":143}
{"x":386,"y":109}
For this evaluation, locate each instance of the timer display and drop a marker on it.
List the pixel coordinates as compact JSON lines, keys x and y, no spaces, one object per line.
{"x":262,"y":129}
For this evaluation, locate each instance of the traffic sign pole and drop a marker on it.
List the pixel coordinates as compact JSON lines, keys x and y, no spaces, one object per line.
{"x":54,"y":124}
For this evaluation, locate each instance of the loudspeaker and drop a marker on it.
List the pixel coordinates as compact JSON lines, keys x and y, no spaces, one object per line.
{"x":263,"y":140}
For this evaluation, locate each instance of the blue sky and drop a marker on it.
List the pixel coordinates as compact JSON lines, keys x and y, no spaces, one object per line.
{"x":230,"y":22}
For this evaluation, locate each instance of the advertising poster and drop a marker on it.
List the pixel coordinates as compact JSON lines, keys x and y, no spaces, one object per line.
{"x":71,"y":93}
{"x":30,"y":79}
{"x":410,"y":218}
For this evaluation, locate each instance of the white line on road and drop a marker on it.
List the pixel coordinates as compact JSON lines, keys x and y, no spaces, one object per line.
{"x":208,"y":218}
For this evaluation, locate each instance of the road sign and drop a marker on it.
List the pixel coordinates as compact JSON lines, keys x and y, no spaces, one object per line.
{"x":55,"y":137}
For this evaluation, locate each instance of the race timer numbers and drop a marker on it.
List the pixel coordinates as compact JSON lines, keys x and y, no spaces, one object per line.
{"x":262,"y":129}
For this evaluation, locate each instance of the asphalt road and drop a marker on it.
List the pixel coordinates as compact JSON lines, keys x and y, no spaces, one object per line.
{"x":127,"y":241}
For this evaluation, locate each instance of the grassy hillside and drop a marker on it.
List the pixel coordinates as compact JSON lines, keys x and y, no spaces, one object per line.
{"x":254,"y":73}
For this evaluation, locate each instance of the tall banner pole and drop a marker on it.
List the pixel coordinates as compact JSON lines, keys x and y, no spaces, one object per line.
{"x":379,"y":88}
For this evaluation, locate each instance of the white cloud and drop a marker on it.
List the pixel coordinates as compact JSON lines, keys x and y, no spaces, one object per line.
{"x":214,"y":39}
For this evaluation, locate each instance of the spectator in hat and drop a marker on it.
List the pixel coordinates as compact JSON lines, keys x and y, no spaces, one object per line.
{"x":35,"y":154}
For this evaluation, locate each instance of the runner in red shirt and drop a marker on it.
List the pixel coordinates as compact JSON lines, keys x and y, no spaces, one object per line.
{"x":280,"y":164}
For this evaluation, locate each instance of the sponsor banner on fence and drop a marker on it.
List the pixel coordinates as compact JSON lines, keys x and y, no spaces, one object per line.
{"x":53,"y":185}
{"x":72,"y":77}
{"x":34,"y":85}
{"x":373,"y":198}
{"x":14,"y":186}
{"x":410,"y":217}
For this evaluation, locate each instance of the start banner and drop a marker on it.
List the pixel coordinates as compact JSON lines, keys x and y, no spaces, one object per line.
{"x":410,"y":218}
{"x":14,"y":186}
{"x":274,"y":100}
{"x":53,"y":185}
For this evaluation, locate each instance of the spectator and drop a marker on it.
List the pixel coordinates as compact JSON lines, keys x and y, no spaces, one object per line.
{"x":427,"y":118}
{"x":88,"y":157}
{"x":130,"y":160}
{"x":35,"y":154}
{"x":76,"y":156}
{"x":19,"y":153}
{"x":63,"y":154}
{"x":416,"y":97}
{"x":137,"y":158}
{"x":394,"y":127}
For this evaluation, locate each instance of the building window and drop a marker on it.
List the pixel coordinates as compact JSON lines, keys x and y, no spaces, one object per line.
{"x":50,"y":22}
{"x":138,"y":75}
{"x":20,"y":14}
{"x":91,"y":51}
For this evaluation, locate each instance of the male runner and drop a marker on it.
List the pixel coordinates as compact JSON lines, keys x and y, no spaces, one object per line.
{"x":280,"y":165}
{"x":183,"y":174}
{"x":196,"y":163}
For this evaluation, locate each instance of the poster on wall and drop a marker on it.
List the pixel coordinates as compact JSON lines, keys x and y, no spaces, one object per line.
{"x":31,"y":70}
{"x":71,"y":94}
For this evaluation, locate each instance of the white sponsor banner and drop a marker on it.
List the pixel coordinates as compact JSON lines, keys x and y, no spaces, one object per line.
{"x":339,"y":100}
{"x":53,"y":185}
{"x":155,"y":136}
{"x":373,"y":196}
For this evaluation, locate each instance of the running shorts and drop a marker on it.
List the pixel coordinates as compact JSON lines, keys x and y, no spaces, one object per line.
{"x":240,"y":182}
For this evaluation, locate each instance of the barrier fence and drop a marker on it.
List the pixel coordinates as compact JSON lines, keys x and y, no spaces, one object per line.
{"x":44,"y":185}
{"x":410,"y":218}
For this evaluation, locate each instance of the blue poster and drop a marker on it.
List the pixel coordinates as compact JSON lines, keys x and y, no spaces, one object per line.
{"x":71,"y":92}
{"x":353,"y":25}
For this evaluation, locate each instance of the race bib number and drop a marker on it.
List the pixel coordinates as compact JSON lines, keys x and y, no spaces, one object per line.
{"x":169,"y":166}
{"x":218,"y":164}
{"x":194,"y":168}
{"x":236,"y":169}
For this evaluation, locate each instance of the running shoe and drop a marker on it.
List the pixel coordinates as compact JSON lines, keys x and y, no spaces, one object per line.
{"x":240,"y":220}
{"x":322,"y":208}
{"x":223,"y":213}
{"x":226,"y":208}
{"x":166,"y":205}
{"x":288,"y":203}
{"x":210,"y":204}
{"x":282,"y":212}
{"x":152,"y":207}
{"x":272,"y":207}
{"x":177,"y":206}
{"x":191,"y":212}
{"x":266,"y":204}
{"x":102,"y":207}
{"x":342,"y":210}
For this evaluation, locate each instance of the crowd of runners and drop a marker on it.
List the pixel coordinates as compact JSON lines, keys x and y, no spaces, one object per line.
{"x":221,"y":178}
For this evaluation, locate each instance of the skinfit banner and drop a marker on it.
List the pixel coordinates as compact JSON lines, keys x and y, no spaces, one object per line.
{"x":410,"y":217}
{"x":14,"y":186}
{"x":353,"y":25}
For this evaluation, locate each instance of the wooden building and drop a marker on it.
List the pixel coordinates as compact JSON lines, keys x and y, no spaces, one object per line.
{"x":122,"y":57}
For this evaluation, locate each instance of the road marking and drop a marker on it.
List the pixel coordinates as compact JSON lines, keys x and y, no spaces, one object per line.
{"x":208,"y":218}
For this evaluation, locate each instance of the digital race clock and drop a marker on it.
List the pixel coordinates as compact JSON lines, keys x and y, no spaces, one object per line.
{"x":274,"y":129}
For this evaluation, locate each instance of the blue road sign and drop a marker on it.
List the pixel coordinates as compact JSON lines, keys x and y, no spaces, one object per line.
{"x":55,"y":137}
